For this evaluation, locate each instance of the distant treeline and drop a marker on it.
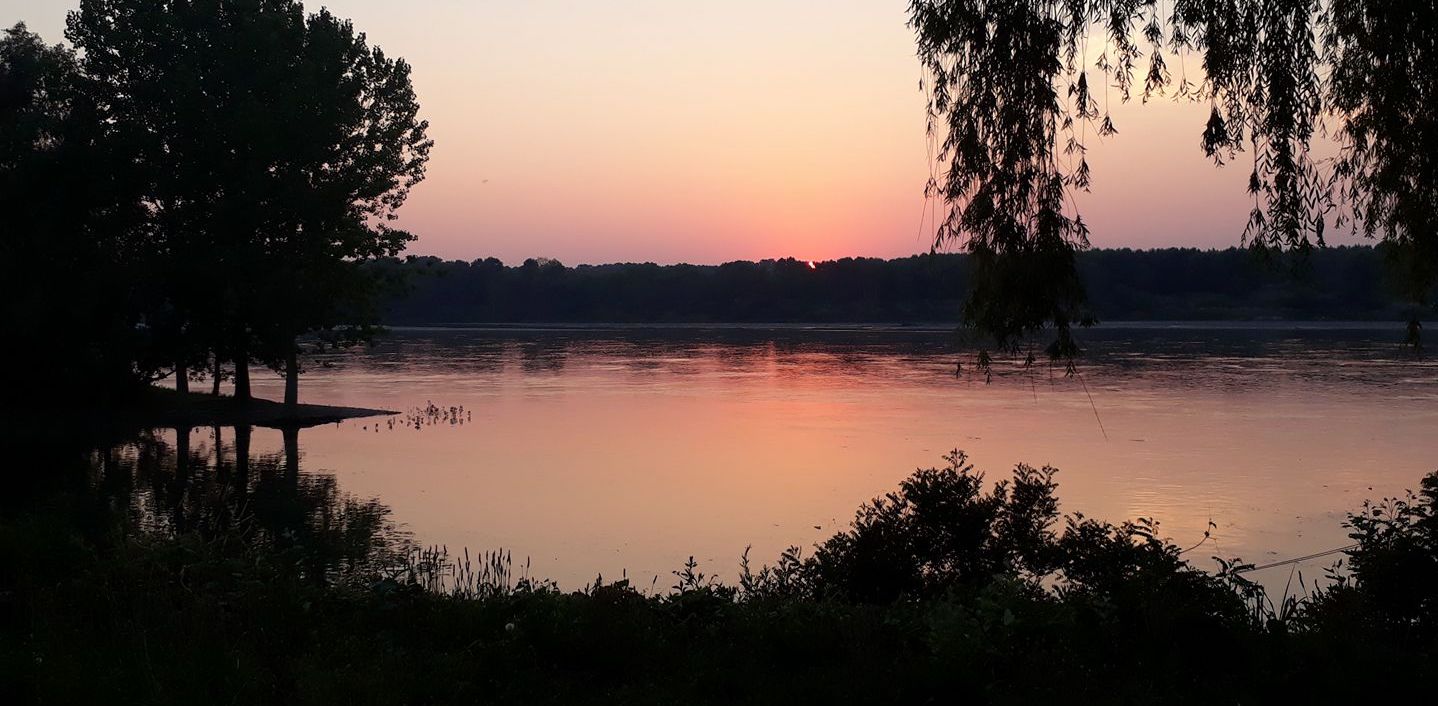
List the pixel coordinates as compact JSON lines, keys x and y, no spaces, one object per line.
{"x":1167,"y":284}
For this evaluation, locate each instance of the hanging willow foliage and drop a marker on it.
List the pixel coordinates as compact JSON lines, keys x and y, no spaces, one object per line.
{"x":1011,"y":92}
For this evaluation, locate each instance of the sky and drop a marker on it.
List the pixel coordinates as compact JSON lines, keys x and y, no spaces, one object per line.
{"x":660,"y":131}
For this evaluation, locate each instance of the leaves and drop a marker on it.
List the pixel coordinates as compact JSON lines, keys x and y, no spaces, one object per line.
{"x":992,"y":69}
{"x":1274,"y":72}
{"x":274,"y":149}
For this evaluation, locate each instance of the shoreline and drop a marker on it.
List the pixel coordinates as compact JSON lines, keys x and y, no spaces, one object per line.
{"x":1256,"y":325}
{"x":160,"y":407}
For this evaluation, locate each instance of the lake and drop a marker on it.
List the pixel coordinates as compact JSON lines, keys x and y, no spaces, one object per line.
{"x":627,"y":450}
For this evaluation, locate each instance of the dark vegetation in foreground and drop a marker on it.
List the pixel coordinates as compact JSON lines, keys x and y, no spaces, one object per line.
{"x":155,"y":575}
{"x":1176,"y":284}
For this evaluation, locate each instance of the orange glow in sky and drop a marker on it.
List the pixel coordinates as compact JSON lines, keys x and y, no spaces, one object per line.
{"x":654,"y":130}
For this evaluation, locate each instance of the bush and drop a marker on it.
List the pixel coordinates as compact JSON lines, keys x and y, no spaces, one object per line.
{"x":945,"y":590}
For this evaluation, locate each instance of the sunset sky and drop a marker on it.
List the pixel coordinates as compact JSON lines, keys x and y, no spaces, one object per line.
{"x":655,"y":130}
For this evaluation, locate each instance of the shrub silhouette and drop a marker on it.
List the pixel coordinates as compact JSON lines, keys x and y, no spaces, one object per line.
{"x":947,"y":590}
{"x":1392,"y":576}
{"x":941,"y":532}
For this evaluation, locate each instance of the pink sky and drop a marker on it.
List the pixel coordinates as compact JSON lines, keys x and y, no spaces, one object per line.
{"x":654,"y":130}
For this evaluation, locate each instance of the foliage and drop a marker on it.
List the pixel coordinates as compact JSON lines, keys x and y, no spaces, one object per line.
{"x":941,"y":532}
{"x":1383,"y":85}
{"x":93,"y":605}
{"x":1393,"y":569}
{"x":991,"y":71}
{"x":199,"y":180}
{"x":67,"y":268}
{"x":277,"y":147}
{"x":1014,"y":93}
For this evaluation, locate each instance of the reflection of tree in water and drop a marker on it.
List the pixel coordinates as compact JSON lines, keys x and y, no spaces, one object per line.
{"x":259,"y":505}
{"x":741,"y":357}
{"x":544,"y":356}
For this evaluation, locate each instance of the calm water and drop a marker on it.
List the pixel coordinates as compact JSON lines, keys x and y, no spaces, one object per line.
{"x":621,"y":450}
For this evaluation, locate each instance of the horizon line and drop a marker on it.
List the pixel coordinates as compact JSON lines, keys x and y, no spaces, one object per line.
{"x":819,"y":261}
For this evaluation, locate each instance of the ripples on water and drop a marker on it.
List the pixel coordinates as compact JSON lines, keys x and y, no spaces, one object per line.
{"x":631,"y":449}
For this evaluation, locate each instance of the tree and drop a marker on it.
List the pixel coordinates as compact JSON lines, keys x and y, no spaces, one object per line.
{"x":71,"y":227}
{"x":1012,"y":103}
{"x":277,"y":147}
{"x":158,"y":74}
{"x":351,"y":147}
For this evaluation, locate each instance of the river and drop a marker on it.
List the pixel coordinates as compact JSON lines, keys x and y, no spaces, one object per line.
{"x":624,"y":450}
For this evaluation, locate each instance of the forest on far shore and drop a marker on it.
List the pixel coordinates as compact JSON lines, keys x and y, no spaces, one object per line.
{"x":1337,"y":283}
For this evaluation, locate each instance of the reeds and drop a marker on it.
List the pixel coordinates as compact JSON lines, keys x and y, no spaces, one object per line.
{"x":489,"y":574}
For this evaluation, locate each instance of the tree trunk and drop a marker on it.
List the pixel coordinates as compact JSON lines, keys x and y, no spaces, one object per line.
{"x":292,"y":379}
{"x":216,"y":383}
{"x":242,"y":376}
{"x":242,"y":458}
{"x":181,"y":481}
{"x":291,"y":436}
{"x":182,"y":379}
{"x":221,"y":472}
{"x":182,"y":453}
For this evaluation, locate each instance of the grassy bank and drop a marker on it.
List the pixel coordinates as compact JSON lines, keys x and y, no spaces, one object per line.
{"x":948,"y":590}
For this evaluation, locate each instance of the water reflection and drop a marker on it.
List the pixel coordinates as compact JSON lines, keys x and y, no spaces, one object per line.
{"x":631,"y":449}
{"x":548,"y":358}
{"x":209,"y":484}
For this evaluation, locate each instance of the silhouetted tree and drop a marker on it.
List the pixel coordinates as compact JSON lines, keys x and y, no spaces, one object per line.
{"x":71,"y":231}
{"x":350,"y":147}
{"x":277,"y":147}
{"x":1014,"y":92}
